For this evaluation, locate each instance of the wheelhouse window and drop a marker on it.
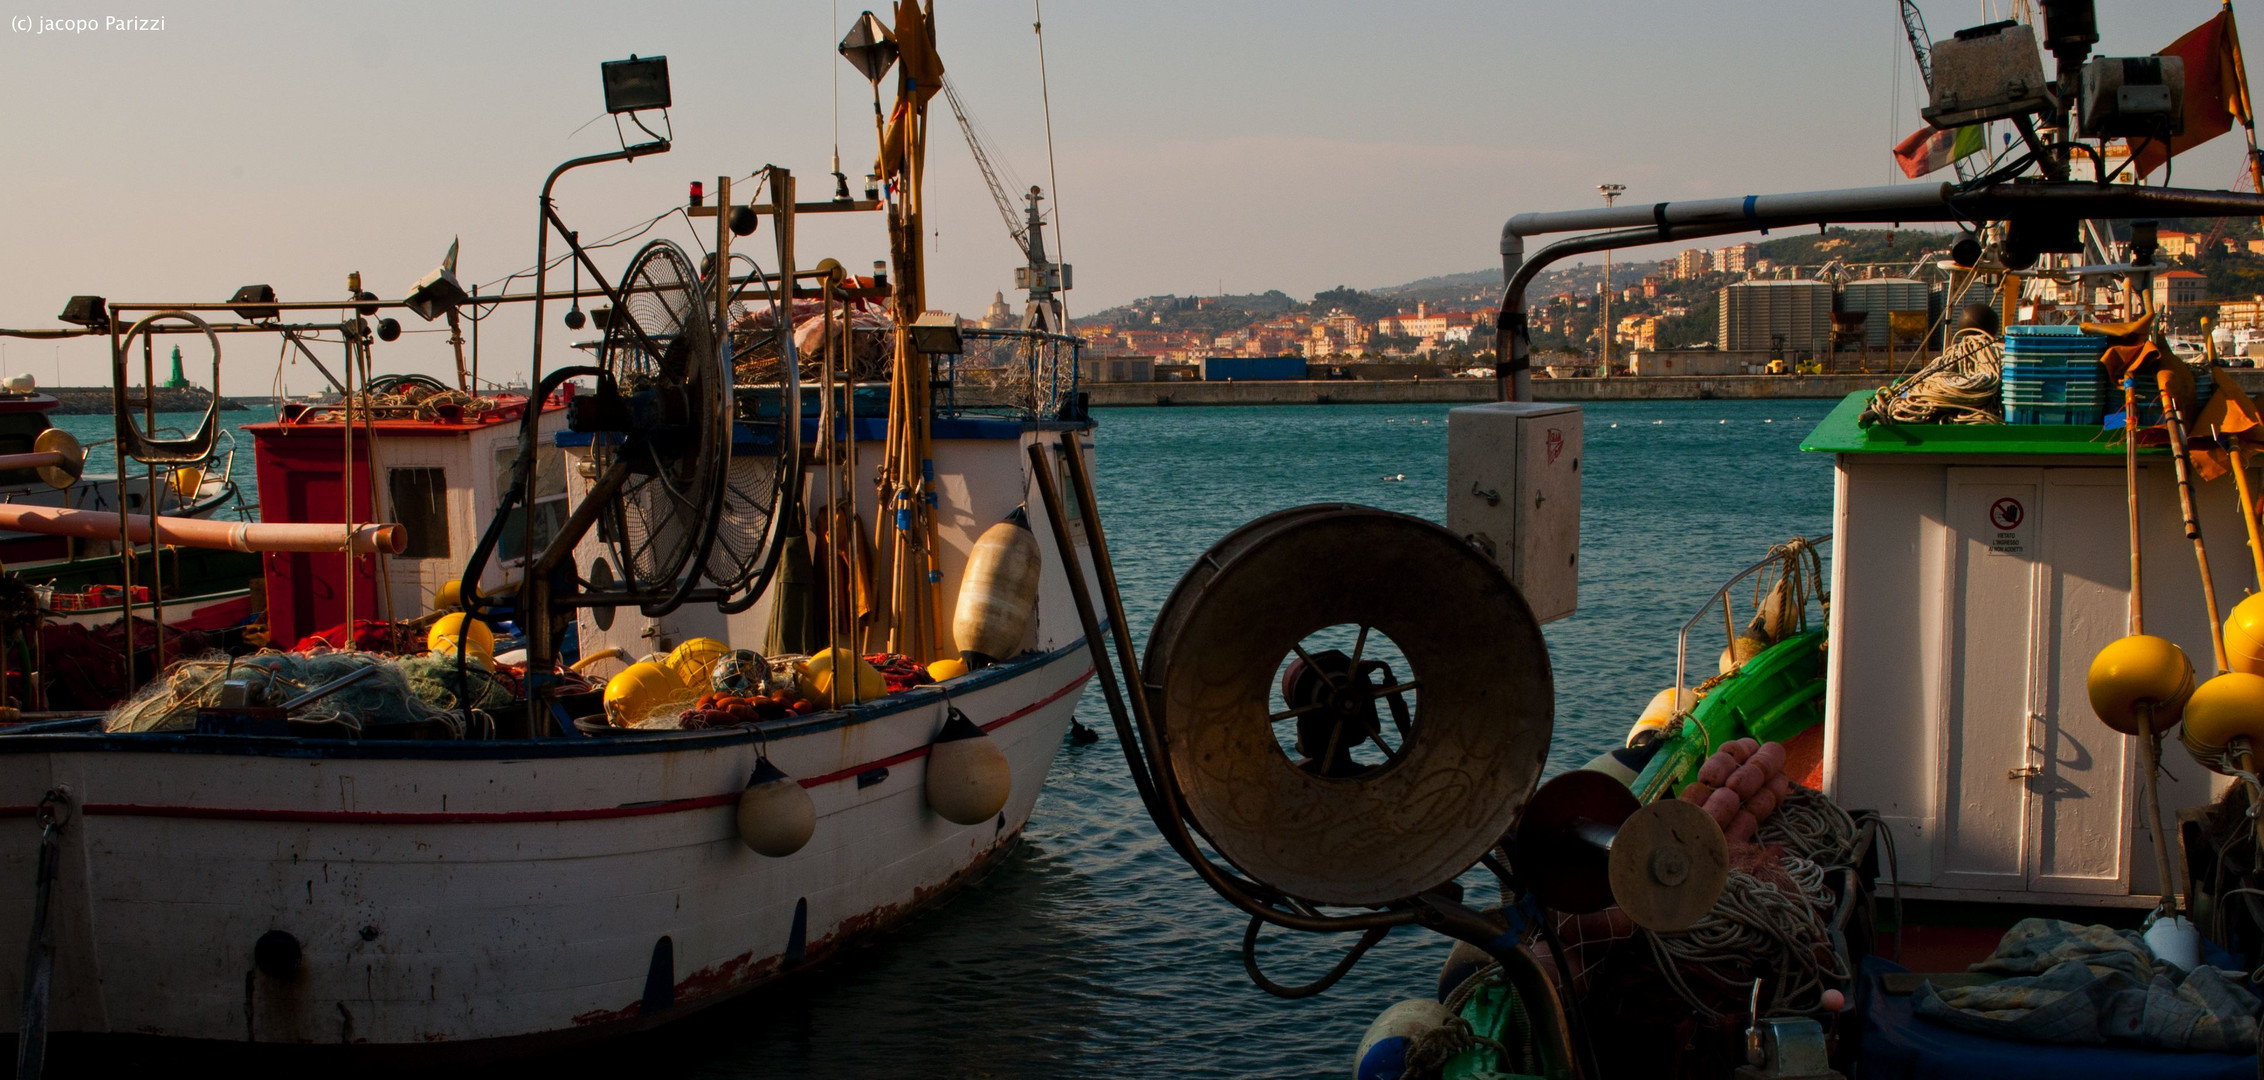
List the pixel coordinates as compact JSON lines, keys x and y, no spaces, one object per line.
{"x":420,"y":505}
{"x":546,"y":502}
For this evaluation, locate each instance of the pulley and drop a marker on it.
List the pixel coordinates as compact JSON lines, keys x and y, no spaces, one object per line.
{"x":1585,"y":844}
{"x":1475,"y":689}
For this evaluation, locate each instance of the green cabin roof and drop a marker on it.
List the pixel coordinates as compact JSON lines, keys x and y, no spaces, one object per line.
{"x":1840,"y":434}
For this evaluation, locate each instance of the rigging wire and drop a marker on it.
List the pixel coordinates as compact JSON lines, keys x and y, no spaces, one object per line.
{"x":1053,"y":178}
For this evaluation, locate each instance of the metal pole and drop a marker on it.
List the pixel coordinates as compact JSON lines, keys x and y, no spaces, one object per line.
{"x":1611,"y":193}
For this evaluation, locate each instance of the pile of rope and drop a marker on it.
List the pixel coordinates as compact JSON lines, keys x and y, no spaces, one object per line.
{"x":410,"y":397}
{"x":755,"y":342}
{"x":1961,"y":386}
{"x":1771,"y":926}
{"x":170,"y":702}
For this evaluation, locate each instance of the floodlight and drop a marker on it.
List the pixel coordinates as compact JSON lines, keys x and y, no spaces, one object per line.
{"x":937,"y":339}
{"x":92,"y":312}
{"x":438,"y":292}
{"x":635,"y":83}
{"x":254,"y":297}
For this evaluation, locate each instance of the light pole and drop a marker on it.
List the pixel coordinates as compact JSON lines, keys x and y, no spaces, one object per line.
{"x":1610,"y":192}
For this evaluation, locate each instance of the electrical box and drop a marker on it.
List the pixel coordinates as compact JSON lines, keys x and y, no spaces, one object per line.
{"x":1989,"y":72}
{"x":1513,"y":490}
{"x":2133,"y":97}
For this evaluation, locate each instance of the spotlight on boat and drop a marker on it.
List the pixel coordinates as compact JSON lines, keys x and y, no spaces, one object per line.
{"x":870,"y":47}
{"x":1966,"y":253}
{"x":437,"y":293}
{"x":92,"y":312}
{"x":636,"y":83}
{"x":256,"y":302}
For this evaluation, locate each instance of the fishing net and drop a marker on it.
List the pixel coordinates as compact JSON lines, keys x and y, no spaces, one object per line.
{"x":432,"y":676}
{"x":170,"y":702}
{"x":1961,"y":386}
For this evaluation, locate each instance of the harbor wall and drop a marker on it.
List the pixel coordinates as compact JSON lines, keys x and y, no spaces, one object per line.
{"x":1457,"y":391}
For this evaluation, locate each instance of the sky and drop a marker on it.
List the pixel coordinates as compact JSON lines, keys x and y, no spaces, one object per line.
{"x":1196,"y":147}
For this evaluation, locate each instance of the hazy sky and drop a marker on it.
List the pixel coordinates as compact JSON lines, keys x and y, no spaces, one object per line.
{"x":1200,"y":145}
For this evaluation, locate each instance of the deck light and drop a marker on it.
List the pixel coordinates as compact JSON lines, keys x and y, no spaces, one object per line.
{"x":92,"y":312}
{"x":438,"y":292}
{"x":635,"y":83}
{"x":254,"y":297}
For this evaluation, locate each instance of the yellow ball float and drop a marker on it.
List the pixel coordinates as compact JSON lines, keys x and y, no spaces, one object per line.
{"x":692,"y":660}
{"x":2244,"y":635}
{"x":818,"y":683}
{"x":639,"y":689}
{"x":451,"y":626}
{"x":2225,"y":708}
{"x":947,"y":669}
{"x":2140,"y":671}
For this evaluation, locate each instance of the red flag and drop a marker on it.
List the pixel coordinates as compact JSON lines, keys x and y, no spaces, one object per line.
{"x":2213,"y":98}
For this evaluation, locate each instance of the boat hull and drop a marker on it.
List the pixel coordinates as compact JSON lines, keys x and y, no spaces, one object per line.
{"x":459,"y":898}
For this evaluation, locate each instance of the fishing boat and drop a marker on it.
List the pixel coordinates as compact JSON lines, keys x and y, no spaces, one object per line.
{"x":1916,"y":821}
{"x":704,"y":705}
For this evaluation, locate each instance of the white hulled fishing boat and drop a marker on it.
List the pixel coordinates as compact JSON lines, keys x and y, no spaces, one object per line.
{"x":483,"y":850}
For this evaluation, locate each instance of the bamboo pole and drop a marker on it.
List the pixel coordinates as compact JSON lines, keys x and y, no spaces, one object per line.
{"x":2182,"y":458}
{"x":2130,"y":492}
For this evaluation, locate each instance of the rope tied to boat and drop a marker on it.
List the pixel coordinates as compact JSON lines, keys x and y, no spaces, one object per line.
{"x":1758,"y":930}
{"x":1429,"y":1053}
{"x":1961,"y":386}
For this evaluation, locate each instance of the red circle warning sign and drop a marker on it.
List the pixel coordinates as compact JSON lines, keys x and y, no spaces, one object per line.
{"x":2006,"y":513}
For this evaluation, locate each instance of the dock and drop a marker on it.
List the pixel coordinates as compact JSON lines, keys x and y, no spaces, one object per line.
{"x":1461,"y":391}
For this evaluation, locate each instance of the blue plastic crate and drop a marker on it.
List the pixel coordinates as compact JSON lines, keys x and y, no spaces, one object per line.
{"x":2087,"y":415}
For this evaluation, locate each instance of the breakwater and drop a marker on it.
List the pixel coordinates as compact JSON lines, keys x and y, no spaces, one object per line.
{"x":1457,"y":391}
{"x":95,"y":400}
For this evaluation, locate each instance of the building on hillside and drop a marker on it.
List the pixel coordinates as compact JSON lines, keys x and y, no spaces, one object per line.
{"x":1651,"y":287}
{"x":1640,"y":332}
{"x":2253,"y":247}
{"x":2241,"y":313}
{"x":1000,"y":316}
{"x":1792,"y":319}
{"x":1735,"y":259}
{"x":2178,"y":288}
{"x":2181,"y":245}
{"x":1693,"y":263}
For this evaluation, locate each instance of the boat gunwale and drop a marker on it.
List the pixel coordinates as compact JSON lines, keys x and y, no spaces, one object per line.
{"x":296,"y":747}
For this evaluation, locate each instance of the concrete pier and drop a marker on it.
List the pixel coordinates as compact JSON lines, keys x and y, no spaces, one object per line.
{"x":1459,"y":391}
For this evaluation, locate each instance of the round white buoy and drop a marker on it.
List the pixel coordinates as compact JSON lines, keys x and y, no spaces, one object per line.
{"x":776,"y":817}
{"x":968,"y":778}
{"x":1383,"y":1050}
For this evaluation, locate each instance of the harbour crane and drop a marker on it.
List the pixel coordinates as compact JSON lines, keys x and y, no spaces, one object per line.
{"x":1040,"y":311}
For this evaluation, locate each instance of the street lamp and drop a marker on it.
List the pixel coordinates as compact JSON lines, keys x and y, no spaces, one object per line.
{"x":1610,"y":192}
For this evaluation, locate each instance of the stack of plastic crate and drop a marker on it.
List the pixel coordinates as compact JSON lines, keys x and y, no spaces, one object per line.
{"x":2052,"y":375}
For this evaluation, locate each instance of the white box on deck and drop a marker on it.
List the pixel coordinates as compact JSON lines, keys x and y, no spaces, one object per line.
{"x":1513,"y":489}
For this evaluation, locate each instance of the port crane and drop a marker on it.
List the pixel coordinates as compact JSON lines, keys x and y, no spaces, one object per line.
{"x":1041,"y":310}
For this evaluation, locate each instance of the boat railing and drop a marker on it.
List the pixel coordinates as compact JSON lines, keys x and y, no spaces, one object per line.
{"x":1024,"y":374}
{"x":1777,"y":556}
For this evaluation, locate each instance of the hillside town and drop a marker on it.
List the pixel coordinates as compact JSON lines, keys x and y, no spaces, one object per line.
{"x":1843,"y":300}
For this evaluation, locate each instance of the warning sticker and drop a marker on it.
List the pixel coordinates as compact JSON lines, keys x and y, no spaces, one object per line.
{"x":2005,"y":518}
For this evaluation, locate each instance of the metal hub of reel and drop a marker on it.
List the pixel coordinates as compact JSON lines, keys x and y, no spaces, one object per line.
{"x":1470,"y":749}
{"x":1585,"y":843}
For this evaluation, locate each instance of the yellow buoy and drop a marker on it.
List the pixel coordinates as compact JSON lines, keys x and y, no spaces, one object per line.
{"x":999,"y":595}
{"x":452,"y":625}
{"x":691,"y":661}
{"x":449,"y":597}
{"x":187,"y":481}
{"x":1660,"y":712}
{"x":947,"y":669}
{"x":968,"y":777}
{"x":776,"y":817}
{"x":2225,"y":708}
{"x":2244,"y":635}
{"x":2139,"y":671}
{"x":818,"y":681}
{"x":638,"y":690}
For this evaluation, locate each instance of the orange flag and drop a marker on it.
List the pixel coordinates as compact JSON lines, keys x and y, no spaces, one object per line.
{"x":2215,"y":94}
{"x":2230,"y":415}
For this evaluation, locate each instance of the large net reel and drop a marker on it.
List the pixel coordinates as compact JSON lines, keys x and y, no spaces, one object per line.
{"x":662,"y":353}
{"x":1275,"y":791}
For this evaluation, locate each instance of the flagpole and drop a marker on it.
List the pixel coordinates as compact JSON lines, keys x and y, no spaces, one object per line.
{"x":2247,"y":112}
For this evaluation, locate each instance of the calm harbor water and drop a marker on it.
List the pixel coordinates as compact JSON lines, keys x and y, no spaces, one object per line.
{"x":1094,"y":951}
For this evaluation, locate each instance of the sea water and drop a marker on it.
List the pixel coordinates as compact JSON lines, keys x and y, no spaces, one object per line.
{"x":1093,"y":951}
